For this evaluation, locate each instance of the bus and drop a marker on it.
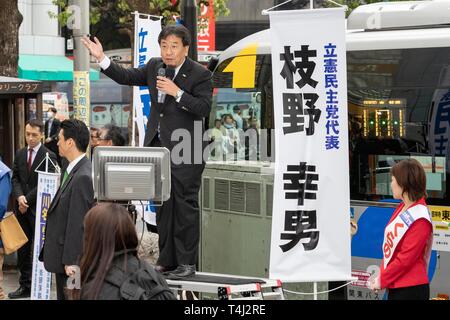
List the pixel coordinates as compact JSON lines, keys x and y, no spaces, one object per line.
{"x":398,"y":74}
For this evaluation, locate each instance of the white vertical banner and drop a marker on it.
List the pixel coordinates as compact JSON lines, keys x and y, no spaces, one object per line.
{"x":146,"y":46}
{"x":311,"y":208}
{"x":41,"y":279}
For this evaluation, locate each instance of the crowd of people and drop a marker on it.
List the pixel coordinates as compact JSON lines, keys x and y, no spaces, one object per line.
{"x":98,"y":242}
{"x":64,"y":247}
{"x":76,"y":227}
{"x":234,"y":138}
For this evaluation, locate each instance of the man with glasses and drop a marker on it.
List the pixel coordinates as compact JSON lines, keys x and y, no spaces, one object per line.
{"x":110,"y":135}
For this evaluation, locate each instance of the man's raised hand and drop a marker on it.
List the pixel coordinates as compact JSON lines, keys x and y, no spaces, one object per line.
{"x":95,"y":48}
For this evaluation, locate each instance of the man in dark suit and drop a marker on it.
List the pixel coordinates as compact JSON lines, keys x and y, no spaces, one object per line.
{"x":63,"y":242}
{"x":51,"y":132}
{"x":183,"y":104}
{"x":24,"y":181}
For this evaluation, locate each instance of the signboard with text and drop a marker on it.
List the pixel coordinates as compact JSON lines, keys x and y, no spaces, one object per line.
{"x":311,"y":208}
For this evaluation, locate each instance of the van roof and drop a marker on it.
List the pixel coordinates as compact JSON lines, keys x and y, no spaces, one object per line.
{"x":419,"y":24}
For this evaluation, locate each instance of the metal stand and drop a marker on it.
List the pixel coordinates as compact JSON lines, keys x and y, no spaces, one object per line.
{"x":132,"y":211}
{"x":221,"y":285}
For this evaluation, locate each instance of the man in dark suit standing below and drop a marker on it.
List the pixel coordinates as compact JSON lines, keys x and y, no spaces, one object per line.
{"x":51,"y":132}
{"x":62,"y":247}
{"x":24,"y":181}
{"x":181,"y":103}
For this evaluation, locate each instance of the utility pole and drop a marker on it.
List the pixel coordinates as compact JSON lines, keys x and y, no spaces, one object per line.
{"x":189,"y":20}
{"x":81,"y":82}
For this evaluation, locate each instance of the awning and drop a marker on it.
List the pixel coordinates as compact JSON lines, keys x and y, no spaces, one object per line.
{"x":49,"y":68}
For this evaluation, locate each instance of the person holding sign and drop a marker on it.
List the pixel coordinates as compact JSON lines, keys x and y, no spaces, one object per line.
{"x":407,"y":237}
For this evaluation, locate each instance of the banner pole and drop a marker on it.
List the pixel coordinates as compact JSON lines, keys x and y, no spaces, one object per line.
{"x":136,"y":44}
{"x":315,"y":290}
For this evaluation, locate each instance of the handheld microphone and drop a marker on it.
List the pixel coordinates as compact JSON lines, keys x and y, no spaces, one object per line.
{"x":161,"y":95}
{"x":163,"y":72}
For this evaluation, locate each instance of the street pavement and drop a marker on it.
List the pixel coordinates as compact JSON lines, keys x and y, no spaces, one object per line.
{"x":11,"y":283}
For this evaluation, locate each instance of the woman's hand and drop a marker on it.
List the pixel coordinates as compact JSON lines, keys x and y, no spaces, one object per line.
{"x":374,"y":283}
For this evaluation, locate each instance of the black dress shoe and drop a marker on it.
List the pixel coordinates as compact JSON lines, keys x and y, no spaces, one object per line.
{"x":20,"y":293}
{"x":182,"y":271}
{"x":164,"y":269}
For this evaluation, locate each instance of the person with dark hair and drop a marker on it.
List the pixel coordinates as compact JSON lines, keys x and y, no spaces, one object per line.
{"x":63,"y":242}
{"x":110,"y":135}
{"x":178,"y":31}
{"x":24,"y":182}
{"x":407,"y":237}
{"x":110,"y":255}
{"x":94,"y":136}
{"x":238,"y":118}
{"x":112,"y":112}
{"x":180,"y":101}
{"x":231,"y":138}
{"x":51,"y":132}
{"x":216,"y":136}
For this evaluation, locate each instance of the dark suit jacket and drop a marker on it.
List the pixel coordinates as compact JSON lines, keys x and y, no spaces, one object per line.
{"x":24,"y":181}
{"x":56,"y":124}
{"x":54,"y":130}
{"x":194,"y":106}
{"x":64,"y":229}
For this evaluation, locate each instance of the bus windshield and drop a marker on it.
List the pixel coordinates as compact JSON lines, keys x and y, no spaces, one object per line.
{"x":397,"y":103}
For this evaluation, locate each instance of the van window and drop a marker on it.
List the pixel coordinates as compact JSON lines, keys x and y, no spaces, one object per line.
{"x":238,"y":114}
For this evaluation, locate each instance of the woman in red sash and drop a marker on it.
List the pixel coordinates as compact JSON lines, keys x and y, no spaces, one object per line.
{"x":407,"y":238}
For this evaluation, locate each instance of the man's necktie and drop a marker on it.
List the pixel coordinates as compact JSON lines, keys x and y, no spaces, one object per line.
{"x":30,"y":158}
{"x":66,"y":175}
{"x":50,"y":122}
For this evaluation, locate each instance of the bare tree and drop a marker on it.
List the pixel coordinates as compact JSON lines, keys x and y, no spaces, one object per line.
{"x":11,"y":19}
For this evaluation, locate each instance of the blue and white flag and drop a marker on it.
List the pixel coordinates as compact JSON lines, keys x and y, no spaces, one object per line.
{"x":48,"y":184}
{"x":145,"y":47}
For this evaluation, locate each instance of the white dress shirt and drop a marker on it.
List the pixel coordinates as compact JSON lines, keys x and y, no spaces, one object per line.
{"x":74,"y":163}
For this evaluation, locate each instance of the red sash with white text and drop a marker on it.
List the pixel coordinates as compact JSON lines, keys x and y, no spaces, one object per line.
{"x":395,"y":231}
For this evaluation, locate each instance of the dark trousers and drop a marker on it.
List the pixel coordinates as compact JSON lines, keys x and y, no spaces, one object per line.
{"x":420,"y":292}
{"x":178,"y":219}
{"x":61,"y":283}
{"x":25,"y":253}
